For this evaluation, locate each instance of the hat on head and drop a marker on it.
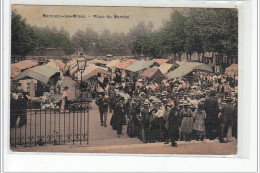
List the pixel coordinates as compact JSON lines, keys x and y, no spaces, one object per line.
{"x":66,"y":87}
{"x":168,"y":105}
{"x":185,"y":103}
{"x":212,"y":93}
{"x":159,"y":113}
{"x":200,"y":105}
{"x":165,"y":99}
{"x":146,"y":104}
{"x":51,"y":92}
{"x":228,"y":99}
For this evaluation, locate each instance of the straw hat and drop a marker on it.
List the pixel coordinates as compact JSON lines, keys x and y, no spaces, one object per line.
{"x":51,"y":92}
{"x":228,"y":99}
{"x":159,"y":113}
{"x":185,"y":103}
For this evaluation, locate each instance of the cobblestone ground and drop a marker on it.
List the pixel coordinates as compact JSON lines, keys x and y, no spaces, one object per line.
{"x":102,"y":139}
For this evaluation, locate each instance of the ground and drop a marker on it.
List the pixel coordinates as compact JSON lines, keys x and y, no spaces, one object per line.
{"x":104,"y":140}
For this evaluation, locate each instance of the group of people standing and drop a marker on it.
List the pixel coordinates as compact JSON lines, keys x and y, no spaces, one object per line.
{"x":182,"y":110}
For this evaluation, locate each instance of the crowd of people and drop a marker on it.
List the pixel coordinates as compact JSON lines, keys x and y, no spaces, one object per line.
{"x":197,"y":108}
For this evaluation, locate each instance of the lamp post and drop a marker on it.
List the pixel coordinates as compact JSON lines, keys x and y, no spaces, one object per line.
{"x":81,"y":63}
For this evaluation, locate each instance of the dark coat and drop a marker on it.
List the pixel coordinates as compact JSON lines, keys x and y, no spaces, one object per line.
{"x":133,"y":123}
{"x":13,"y":106}
{"x":212,"y":109}
{"x":227,"y":114}
{"x":102,"y":104}
{"x":173,"y":123}
{"x":22,"y":105}
{"x":118,"y":115}
{"x":145,"y":118}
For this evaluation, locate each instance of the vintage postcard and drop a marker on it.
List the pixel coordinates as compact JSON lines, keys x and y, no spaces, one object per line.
{"x":130,"y":80}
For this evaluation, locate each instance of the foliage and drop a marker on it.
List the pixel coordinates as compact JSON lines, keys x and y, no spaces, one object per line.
{"x":23,"y":37}
{"x":54,"y":38}
{"x":202,"y":30}
{"x":26,"y":38}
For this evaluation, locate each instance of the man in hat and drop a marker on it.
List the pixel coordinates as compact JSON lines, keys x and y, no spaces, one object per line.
{"x":211,"y":122}
{"x":102,"y":103}
{"x":64,"y":100}
{"x":22,"y":102}
{"x":166,"y":123}
{"x":13,"y":110}
{"x":112,"y":99}
{"x":119,"y":114}
{"x":160,"y":106}
{"x":174,"y":125}
{"x":145,"y":122}
{"x":226,"y":118}
{"x":132,"y":126}
{"x":234,"y":127}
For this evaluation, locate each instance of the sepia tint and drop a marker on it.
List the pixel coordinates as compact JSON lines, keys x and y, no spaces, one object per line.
{"x":137,"y":80}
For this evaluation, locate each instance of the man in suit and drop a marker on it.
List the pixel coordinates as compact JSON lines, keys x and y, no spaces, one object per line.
{"x":212,"y":122}
{"x":119,"y":114}
{"x":226,"y":117}
{"x":102,"y":103}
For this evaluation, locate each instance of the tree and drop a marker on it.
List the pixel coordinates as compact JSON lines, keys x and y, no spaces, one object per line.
{"x":23,"y":37}
{"x":195,"y":37}
{"x":203,"y":30}
{"x":173,"y":34}
{"x":54,"y":38}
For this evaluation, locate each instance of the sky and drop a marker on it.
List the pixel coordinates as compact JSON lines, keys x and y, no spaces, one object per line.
{"x":97,"y":18}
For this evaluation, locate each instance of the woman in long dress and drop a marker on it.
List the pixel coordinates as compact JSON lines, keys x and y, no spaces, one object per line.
{"x":64,"y":100}
{"x":187,"y":121}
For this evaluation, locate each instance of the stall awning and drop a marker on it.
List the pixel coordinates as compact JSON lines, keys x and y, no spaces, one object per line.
{"x":187,"y":68}
{"x":164,"y":68}
{"x":61,"y":64}
{"x":95,"y":72}
{"x":125,"y":64}
{"x":41,"y":73}
{"x":153,"y":74}
{"x":180,"y":62}
{"x":17,"y":68}
{"x":97,"y":61}
{"x":140,"y":65}
{"x":232,"y":70}
{"x":113,"y":63}
{"x":161,"y":61}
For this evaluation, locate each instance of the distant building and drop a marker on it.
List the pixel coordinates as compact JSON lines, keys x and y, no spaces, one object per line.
{"x":218,"y":61}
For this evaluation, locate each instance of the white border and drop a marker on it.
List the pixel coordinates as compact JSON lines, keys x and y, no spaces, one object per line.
{"x":246,"y":158}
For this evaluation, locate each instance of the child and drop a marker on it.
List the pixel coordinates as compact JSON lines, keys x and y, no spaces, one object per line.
{"x":199,"y":126}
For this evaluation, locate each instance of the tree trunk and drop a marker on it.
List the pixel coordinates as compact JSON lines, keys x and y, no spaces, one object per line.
{"x":179,"y":56}
{"x":198,"y":57}
{"x":187,"y":56}
{"x":202,"y":57}
{"x":231,"y":60}
{"x":175,"y":57}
